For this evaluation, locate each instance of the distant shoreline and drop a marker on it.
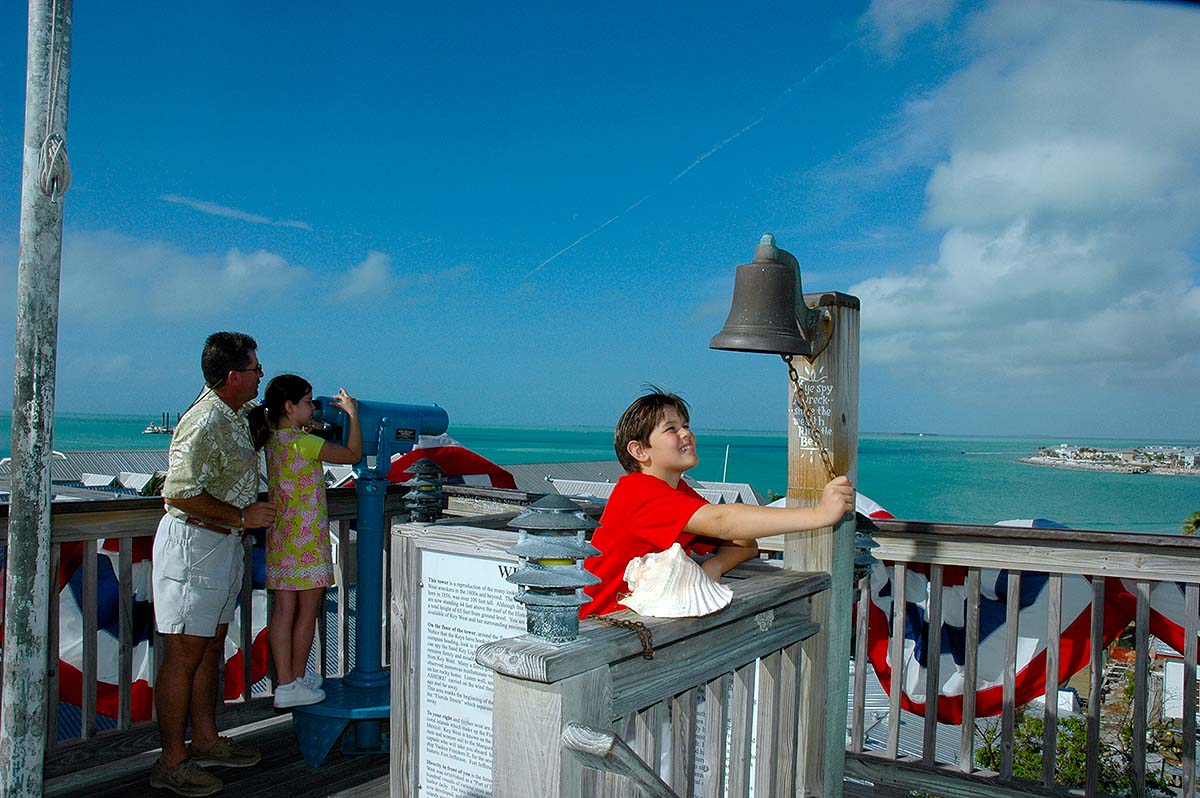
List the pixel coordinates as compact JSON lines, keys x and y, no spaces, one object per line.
{"x":138,"y":420}
{"x":1112,"y":468}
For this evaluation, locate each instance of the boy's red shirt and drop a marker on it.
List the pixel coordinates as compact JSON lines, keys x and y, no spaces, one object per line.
{"x":643,"y":515}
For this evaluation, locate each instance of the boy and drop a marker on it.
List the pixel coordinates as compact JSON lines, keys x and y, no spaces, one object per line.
{"x":651,"y":507}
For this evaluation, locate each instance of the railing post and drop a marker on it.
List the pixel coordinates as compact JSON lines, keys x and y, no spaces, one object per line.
{"x":45,"y":177}
{"x":528,"y":719}
{"x":831,"y":384}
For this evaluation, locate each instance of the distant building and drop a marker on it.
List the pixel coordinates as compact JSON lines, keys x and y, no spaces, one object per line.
{"x":129,"y":473}
{"x":595,"y":479}
{"x":97,"y":475}
{"x":1146,"y":457}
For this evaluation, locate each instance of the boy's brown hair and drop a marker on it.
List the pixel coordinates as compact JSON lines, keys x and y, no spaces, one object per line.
{"x":640,"y":419}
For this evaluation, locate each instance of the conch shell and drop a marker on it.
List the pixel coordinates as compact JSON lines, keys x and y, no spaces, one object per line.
{"x":670,"y":584}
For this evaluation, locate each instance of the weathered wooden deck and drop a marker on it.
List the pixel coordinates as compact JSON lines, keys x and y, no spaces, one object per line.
{"x":281,"y":774}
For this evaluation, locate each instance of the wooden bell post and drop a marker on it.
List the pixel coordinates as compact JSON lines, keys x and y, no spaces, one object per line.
{"x":817,"y":335}
{"x":830,"y":383}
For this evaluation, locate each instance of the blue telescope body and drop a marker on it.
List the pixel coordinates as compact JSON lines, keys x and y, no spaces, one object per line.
{"x":391,"y":427}
{"x":363,"y":696}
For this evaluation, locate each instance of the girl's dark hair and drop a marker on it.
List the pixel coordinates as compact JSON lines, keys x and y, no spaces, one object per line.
{"x":265,"y":418}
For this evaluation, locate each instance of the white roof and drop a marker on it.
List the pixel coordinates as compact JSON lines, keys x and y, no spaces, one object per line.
{"x":716,"y":496}
{"x":743,"y":492}
{"x":912,"y":726}
{"x":134,"y":480}
{"x":585,"y":488}
{"x":338,"y":475}
{"x":602,"y":490}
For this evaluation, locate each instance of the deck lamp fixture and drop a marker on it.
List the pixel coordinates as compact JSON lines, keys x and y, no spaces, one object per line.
{"x":552,"y":545}
{"x":424,"y":500}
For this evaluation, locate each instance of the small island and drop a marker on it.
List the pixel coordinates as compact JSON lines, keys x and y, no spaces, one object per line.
{"x":1169,"y":460}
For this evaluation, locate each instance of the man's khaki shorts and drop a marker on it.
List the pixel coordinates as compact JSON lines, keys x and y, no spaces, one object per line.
{"x":197,"y":578}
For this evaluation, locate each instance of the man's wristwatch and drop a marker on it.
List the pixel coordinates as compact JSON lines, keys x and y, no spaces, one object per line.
{"x":242,"y":525}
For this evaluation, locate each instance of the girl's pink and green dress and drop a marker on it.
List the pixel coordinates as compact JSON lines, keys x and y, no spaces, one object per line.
{"x":298,"y":550}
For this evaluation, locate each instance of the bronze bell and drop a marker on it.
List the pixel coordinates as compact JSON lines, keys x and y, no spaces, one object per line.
{"x":768,"y":313}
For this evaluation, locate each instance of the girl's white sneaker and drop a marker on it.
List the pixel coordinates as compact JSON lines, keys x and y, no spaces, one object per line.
{"x":297,"y":694}
{"x":311,"y":680}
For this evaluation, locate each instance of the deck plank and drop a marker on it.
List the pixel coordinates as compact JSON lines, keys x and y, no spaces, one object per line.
{"x":281,"y":774}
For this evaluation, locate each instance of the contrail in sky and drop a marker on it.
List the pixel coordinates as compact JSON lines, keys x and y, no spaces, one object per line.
{"x":586,"y":236}
{"x":718,"y":147}
{"x":700,"y":159}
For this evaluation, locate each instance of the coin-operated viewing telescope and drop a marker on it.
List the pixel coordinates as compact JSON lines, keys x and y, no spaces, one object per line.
{"x":362,"y":696}
{"x":387,"y":428}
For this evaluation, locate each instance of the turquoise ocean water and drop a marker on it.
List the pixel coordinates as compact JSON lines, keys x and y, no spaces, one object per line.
{"x":930,"y":477}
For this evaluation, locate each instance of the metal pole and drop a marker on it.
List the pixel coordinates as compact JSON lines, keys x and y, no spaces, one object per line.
{"x":23,"y":712}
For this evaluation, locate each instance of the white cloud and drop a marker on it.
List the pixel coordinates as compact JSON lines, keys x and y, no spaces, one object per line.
{"x":1021,"y":304}
{"x":213,"y":209}
{"x":890,"y":22}
{"x":107,"y":275}
{"x":1068,"y":187}
{"x":114,"y":366}
{"x":376,"y":278}
{"x":372,"y":277}
{"x":1078,"y":176}
{"x":111,"y":276}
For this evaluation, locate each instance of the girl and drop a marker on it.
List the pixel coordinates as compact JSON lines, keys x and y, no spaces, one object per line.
{"x":299,"y":565}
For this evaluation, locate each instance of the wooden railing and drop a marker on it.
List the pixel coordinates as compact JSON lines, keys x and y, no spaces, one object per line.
{"x":751,"y":643}
{"x":560,"y":711}
{"x":1127,"y":562}
{"x":90,"y":525}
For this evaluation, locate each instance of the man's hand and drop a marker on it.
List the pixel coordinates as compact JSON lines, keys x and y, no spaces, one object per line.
{"x":259,"y":514}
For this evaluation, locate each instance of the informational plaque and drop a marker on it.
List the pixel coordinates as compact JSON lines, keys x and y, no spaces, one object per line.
{"x":464,"y":603}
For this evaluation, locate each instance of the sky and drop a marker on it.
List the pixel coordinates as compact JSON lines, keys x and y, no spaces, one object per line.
{"x":526,"y":212}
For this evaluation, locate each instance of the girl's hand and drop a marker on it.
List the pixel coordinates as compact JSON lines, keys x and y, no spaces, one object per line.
{"x":351,"y":453}
{"x":346,"y":402}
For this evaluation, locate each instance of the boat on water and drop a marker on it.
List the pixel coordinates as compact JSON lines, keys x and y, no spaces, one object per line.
{"x":164,"y":428}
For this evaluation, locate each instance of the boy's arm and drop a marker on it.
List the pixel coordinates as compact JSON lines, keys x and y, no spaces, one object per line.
{"x":741,"y":522}
{"x":727,"y":557}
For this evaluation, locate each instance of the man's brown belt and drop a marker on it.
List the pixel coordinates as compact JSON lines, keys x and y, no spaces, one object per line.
{"x":224,"y":530}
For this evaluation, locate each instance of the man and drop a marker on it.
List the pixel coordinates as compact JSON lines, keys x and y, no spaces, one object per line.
{"x":210,"y":496}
